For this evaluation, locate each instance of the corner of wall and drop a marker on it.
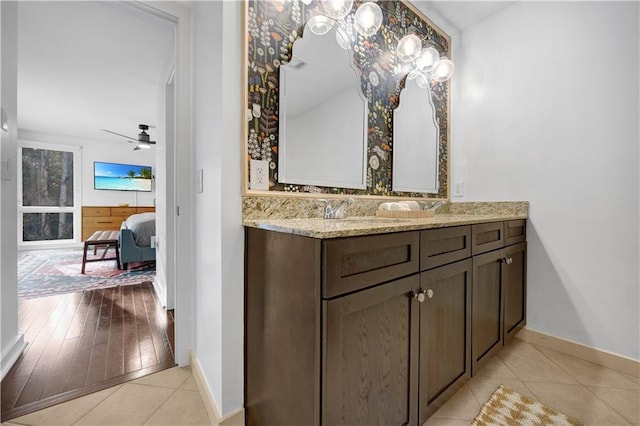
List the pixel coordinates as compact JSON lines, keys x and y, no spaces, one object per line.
{"x":11,"y":354}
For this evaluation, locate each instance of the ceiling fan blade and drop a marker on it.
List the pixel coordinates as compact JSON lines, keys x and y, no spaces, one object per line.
{"x":120,"y":134}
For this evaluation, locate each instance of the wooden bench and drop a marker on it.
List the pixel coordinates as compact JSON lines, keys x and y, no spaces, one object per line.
{"x":106,"y":239}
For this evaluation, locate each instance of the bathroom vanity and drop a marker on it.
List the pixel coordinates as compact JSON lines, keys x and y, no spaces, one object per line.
{"x":375,"y":321}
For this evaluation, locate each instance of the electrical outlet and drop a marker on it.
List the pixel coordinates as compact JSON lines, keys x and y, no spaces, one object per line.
{"x":259,"y":175}
{"x":458,"y":189}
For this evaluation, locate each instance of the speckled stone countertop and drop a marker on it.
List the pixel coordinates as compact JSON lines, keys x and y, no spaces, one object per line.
{"x":369,"y":225}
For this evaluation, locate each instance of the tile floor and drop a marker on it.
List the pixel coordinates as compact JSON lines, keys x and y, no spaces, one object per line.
{"x":592,"y":394}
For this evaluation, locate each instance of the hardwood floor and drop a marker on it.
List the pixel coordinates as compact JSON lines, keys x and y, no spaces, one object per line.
{"x":83,"y":342}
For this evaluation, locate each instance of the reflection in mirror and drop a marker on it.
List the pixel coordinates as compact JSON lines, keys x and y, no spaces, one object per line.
{"x":415,"y":139}
{"x":323,"y":114}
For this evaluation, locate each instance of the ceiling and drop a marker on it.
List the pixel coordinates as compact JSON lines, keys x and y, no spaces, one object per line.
{"x":86,"y":66}
{"x":457,"y":16}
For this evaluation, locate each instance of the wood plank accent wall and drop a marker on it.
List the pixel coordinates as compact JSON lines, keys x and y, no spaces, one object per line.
{"x":107,"y":218}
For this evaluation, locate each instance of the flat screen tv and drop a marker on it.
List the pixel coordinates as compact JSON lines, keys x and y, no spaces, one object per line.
{"x":121,"y":177}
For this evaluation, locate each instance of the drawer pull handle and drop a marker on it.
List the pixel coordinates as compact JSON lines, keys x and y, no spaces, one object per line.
{"x":507,"y":260}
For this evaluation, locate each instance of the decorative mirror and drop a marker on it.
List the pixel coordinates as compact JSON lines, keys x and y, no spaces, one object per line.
{"x":323,"y":113}
{"x":398,"y":158}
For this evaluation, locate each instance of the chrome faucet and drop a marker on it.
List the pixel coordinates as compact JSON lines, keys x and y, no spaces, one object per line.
{"x":337,"y":212}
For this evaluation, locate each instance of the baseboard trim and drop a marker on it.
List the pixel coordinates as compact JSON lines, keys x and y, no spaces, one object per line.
{"x":584,"y":352}
{"x":11,"y":355}
{"x":236,"y":418}
{"x":205,"y":390}
{"x":161,"y":291}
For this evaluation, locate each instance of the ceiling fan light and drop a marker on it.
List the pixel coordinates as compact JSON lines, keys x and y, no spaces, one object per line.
{"x":143,"y":145}
{"x":368,"y":19}
{"x":337,"y":9}
{"x":408,"y":48}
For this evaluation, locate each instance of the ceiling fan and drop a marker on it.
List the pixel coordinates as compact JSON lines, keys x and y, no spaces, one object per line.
{"x":142,"y":141}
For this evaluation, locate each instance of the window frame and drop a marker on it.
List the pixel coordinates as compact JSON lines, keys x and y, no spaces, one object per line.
{"x":76,"y":209}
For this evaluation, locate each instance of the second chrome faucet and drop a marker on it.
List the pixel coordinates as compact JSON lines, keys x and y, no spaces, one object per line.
{"x":337,"y":212}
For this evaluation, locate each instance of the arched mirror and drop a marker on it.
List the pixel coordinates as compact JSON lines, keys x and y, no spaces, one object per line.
{"x":323,"y":113}
{"x":415,"y":139}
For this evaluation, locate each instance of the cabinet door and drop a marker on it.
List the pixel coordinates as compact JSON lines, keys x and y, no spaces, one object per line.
{"x":370,"y":356}
{"x":515,"y":290}
{"x":486,"y":319}
{"x":445,"y":335}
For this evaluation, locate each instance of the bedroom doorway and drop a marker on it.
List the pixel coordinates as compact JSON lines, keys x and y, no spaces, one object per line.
{"x":83,"y":341}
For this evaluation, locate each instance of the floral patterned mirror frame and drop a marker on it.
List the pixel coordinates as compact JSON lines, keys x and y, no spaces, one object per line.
{"x":270,"y":29}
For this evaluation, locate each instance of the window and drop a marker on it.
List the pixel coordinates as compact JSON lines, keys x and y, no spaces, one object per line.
{"x":48,"y":210}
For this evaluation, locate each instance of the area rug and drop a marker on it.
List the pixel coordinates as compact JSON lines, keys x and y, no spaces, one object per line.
{"x":508,"y":407}
{"x":48,"y":272}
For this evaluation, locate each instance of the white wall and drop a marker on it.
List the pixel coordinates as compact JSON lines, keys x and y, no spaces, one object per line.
{"x":115,"y":152}
{"x":11,"y":342}
{"x":219,"y":244}
{"x":545,"y":109}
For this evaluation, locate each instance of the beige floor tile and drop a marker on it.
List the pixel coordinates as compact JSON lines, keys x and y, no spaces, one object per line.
{"x":68,"y":412}
{"x":518,"y":345}
{"x":625,"y":401}
{"x":483,"y":387}
{"x":576,"y":401}
{"x":190,"y":385}
{"x":132,"y":404}
{"x":183,"y":408}
{"x":441,"y":421}
{"x":497,"y":369}
{"x":170,"y":378}
{"x":532,"y":365}
{"x":462,"y":406}
{"x":590,"y":374}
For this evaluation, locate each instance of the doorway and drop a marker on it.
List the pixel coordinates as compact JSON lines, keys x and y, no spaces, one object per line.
{"x":117,"y":302}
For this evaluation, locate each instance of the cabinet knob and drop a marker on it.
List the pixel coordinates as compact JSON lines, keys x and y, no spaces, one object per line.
{"x":420,"y":296}
{"x":429,"y":293}
{"x":507,"y":260}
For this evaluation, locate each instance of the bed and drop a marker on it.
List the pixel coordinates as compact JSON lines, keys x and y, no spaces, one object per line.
{"x":136,"y":234}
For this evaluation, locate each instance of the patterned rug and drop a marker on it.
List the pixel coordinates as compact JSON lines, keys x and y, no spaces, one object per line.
{"x":507,"y":407}
{"x":48,"y":272}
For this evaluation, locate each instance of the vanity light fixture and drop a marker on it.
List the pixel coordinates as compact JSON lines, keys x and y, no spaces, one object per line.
{"x":408,"y":48}
{"x":337,"y":9}
{"x":368,"y":19}
{"x":415,"y":62}
{"x":320,"y":25}
{"x":427,"y":59}
{"x":443,"y":70}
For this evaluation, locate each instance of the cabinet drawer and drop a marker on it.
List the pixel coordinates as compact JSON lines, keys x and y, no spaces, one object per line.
{"x":515,"y":231}
{"x":123,"y":211}
{"x":442,"y":246}
{"x":96,"y":211}
{"x":486,"y":237}
{"x":105,"y":223}
{"x":145,"y":209}
{"x":350,"y":264}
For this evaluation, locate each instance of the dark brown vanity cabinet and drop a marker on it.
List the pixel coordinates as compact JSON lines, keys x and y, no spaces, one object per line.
{"x":377,"y":329}
{"x":499,"y":287}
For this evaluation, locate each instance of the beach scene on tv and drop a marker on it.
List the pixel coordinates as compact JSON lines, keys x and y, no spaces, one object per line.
{"x":121,"y":177}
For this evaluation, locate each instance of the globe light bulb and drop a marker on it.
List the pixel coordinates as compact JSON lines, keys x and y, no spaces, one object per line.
{"x":342,"y":39}
{"x":368,"y":19}
{"x":408,"y":48}
{"x":427,"y":59}
{"x":337,"y":9}
{"x":319,"y":25}
{"x":443,"y":70}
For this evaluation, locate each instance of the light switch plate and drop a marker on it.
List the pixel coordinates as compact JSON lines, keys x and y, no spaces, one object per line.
{"x":259,"y":175}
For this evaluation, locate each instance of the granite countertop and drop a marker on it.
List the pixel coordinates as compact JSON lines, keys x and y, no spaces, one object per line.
{"x":368,"y":225}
